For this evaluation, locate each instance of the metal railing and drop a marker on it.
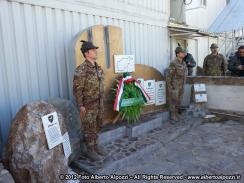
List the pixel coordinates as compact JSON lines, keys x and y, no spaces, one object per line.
{"x":230,"y":41}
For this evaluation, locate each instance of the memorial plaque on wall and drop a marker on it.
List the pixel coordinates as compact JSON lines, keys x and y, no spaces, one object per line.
{"x":149,"y":87}
{"x":200,"y":87}
{"x":199,"y":95}
{"x":202,"y":97}
{"x":124,"y":63}
{"x":160,"y":93}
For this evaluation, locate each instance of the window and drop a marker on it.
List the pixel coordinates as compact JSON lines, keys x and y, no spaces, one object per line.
{"x":204,"y":2}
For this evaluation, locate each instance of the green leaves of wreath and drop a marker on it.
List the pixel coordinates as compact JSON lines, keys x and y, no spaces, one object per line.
{"x":132,"y":102}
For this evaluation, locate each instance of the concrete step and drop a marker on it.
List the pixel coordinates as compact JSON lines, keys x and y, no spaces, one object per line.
{"x":147,"y":123}
{"x":125,"y":151}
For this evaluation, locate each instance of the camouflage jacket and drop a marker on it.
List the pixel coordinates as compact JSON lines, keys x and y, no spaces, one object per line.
{"x":214,"y":65}
{"x":176,"y":75}
{"x":88,"y":88}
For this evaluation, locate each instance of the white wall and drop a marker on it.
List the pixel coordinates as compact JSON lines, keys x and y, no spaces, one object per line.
{"x":203,"y":16}
{"x":193,"y":49}
{"x":203,"y":50}
{"x":177,"y":11}
{"x":226,"y":97}
{"x":200,"y":16}
{"x":222,"y":97}
{"x":36,"y":43}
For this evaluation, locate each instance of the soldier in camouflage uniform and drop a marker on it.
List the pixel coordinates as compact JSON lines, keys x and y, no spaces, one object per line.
{"x":175,"y":80}
{"x":215,"y":63}
{"x":88,"y":90}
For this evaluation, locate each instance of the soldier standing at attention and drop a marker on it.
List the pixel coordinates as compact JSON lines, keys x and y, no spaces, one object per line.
{"x":88,"y":90}
{"x":215,"y":63}
{"x":175,"y":80}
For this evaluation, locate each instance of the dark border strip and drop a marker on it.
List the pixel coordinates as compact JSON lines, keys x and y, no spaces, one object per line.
{"x":107,"y":47}
{"x":216,"y":80}
{"x":90,"y":36}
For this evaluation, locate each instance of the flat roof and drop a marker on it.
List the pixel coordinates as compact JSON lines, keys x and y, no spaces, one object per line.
{"x":181,"y":30}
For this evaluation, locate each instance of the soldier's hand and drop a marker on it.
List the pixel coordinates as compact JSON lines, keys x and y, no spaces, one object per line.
{"x":240,"y":67}
{"x":82,"y":111}
{"x":100,"y":123}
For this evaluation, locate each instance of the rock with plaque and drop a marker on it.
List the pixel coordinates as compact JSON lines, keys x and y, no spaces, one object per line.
{"x":30,"y":156}
{"x":73,"y":124}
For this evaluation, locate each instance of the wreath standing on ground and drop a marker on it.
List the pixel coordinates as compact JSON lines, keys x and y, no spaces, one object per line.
{"x":130,"y":98}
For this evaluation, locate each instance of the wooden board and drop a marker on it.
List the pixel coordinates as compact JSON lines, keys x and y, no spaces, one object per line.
{"x":115,"y":47}
{"x":109,"y":41}
{"x":98,"y":39}
{"x":115,"y":44}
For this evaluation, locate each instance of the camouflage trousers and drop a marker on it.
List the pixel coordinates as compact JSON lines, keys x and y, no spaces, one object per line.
{"x":91,"y":126}
{"x":175,"y":99}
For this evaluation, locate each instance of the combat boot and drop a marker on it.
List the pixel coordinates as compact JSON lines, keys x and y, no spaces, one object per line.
{"x":101,"y":150}
{"x":179,"y":116}
{"x":92,"y":154}
{"x":173,"y":118}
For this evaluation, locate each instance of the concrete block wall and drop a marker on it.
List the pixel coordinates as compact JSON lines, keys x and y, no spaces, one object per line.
{"x":224,"y":93}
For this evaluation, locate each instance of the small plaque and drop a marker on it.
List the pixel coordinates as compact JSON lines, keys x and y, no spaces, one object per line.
{"x":52,"y":130}
{"x":200,"y":87}
{"x":160,"y":93}
{"x":201,"y":98}
{"x":149,"y":87}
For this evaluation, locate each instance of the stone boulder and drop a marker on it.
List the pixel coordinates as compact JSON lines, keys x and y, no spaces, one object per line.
{"x":72,"y":122}
{"x":27,"y":156}
{"x":5,"y":176}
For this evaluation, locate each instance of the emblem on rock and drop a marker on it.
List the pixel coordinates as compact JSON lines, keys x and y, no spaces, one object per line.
{"x":50,"y":118}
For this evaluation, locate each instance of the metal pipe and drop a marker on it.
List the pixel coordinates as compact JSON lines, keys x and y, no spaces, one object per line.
{"x":220,"y":113}
{"x":227,"y":114}
{"x":180,"y":34}
{"x":182,"y":30}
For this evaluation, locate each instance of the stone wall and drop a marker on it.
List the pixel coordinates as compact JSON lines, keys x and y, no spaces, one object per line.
{"x":224,"y":93}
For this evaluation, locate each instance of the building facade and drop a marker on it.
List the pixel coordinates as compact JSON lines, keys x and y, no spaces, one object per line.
{"x":194,"y":20}
{"x":36,"y":43}
{"x":201,"y":14}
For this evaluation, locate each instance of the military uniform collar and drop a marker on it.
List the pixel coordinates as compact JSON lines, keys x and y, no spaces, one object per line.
{"x":90,"y":64}
{"x":179,"y":61}
{"x":214,"y":55}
